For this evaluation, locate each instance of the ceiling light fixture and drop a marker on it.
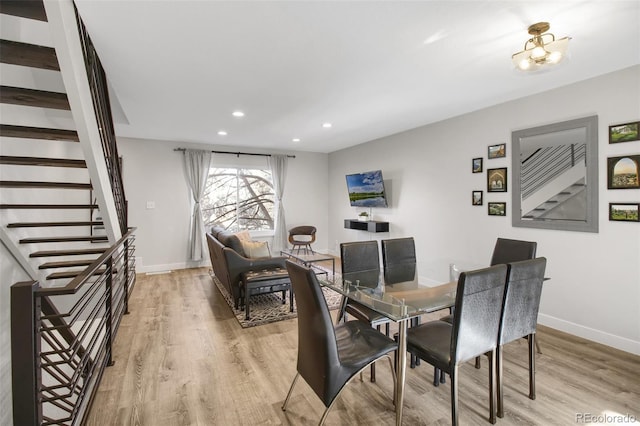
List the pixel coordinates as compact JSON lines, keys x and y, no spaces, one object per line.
{"x":238,"y":114}
{"x":326,"y":125}
{"x":222,"y":133}
{"x":540,"y":50}
{"x":295,"y":140}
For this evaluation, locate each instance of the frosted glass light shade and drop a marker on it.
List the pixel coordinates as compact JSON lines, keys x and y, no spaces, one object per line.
{"x":537,"y":56}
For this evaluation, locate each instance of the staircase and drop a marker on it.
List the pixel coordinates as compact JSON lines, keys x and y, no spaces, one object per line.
{"x":49,"y":210}
{"x":63,"y":217}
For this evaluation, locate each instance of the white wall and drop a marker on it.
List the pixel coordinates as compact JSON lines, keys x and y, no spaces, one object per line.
{"x":153,"y":171}
{"x":594,"y":289}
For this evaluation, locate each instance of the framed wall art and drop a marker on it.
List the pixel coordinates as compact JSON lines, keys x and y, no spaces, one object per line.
{"x":627,"y":132}
{"x":497,"y":151}
{"x":624,"y":212}
{"x":476,"y":198}
{"x":497,"y":209}
{"x":476,"y":165}
{"x":497,"y":180}
{"x":622,"y":172}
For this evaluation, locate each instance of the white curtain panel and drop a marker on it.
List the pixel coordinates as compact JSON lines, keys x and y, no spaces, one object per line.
{"x":197,"y":164}
{"x":278,"y":164}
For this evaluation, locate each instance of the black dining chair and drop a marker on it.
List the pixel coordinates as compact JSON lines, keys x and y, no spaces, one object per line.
{"x":474,"y":332}
{"x":399,"y":265}
{"x":505,"y":251}
{"x":360,"y":263}
{"x":398,"y":259}
{"x":520,"y":316}
{"x":328,"y":357}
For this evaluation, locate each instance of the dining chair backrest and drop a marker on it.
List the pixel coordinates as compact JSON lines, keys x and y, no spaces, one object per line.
{"x":398,"y":251}
{"x":478,"y":309}
{"x":398,"y":259}
{"x":360,"y":260}
{"x":317,"y":347}
{"x":508,"y":251}
{"x":522,"y":299}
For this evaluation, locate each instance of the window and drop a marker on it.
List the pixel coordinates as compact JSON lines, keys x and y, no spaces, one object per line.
{"x":239,"y":199}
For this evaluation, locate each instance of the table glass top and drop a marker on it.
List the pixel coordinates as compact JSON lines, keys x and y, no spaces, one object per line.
{"x":396,"y":294}
{"x":307,"y":257}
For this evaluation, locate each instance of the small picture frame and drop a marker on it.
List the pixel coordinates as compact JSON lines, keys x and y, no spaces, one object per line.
{"x":476,"y":198}
{"x":476,"y":165}
{"x":627,"y":132}
{"x":497,"y":151}
{"x":496,"y":209}
{"x":624,"y":212}
{"x":623,"y":172}
{"x":497,"y":180}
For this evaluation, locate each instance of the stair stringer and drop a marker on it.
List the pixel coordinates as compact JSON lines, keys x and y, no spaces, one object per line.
{"x":64,"y":31}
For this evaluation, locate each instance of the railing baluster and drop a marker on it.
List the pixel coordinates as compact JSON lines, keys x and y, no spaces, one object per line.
{"x":109,"y":311}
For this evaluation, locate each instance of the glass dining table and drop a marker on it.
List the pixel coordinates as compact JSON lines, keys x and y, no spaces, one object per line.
{"x":398,"y":295}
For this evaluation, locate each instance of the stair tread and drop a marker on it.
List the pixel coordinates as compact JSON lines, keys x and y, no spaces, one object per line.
{"x":34,"y":98}
{"x":27,"y":132}
{"x":48,"y":206}
{"x":71,"y":274}
{"x":63,"y":239}
{"x":40,"y":184}
{"x":48,"y":224}
{"x":48,"y":253}
{"x":28,"y":55}
{"x":66,"y":264}
{"x":24,"y":9}
{"x":41,"y":161}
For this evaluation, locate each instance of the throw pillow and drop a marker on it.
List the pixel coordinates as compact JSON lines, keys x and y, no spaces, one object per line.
{"x":243,"y":235}
{"x":256,"y":249}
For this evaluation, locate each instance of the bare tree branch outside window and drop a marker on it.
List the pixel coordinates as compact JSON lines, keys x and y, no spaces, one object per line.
{"x":239,"y":199}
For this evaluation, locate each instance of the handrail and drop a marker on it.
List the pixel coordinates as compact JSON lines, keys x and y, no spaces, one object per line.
{"x":75,"y":284}
{"x":100,"y":95}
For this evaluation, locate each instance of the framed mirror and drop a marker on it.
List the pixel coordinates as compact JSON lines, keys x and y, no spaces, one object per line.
{"x":555,"y":176}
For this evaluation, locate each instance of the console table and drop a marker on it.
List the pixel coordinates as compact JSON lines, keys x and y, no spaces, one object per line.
{"x":369,"y":226}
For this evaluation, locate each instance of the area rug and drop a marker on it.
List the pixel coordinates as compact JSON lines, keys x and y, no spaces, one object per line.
{"x":268,"y":308}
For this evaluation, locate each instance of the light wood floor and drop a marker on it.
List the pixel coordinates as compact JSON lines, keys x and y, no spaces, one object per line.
{"x":182,"y":359}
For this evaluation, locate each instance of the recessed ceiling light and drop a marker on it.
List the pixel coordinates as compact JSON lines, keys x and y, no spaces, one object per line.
{"x":296,"y":139}
{"x":222,"y":133}
{"x":326,"y":125}
{"x":238,"y":114}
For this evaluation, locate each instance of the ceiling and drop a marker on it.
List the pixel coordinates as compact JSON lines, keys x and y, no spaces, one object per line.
{"x":178,"y":69}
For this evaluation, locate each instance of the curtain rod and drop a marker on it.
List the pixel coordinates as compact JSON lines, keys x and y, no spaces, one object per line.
{"x":237,"y":154}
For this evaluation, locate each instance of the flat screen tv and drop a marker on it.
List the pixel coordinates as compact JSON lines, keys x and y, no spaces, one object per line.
{"x":366,"y":189}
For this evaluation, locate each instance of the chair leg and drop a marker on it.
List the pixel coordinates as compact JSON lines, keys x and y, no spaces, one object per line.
{"x":436,"y":376}
{"x":499,"y":388}
{"x":342,"y":313}
{"x":538,"y":347}
{"x":532,"y":367}
{"x":454,"y":395}
{"x":492,"y":386}
{"x":286,"y":400}
{"x":393,"y":375}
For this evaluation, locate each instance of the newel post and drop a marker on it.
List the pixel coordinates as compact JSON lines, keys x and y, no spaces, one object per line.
{"x":25,"y":354}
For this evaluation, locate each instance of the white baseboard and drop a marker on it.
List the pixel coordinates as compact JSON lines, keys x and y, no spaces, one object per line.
{"x":143,"y":269}
{"x":618,"y":342}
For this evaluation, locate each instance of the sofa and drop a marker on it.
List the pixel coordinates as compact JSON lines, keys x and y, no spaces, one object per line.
{"x":246,"y":274}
